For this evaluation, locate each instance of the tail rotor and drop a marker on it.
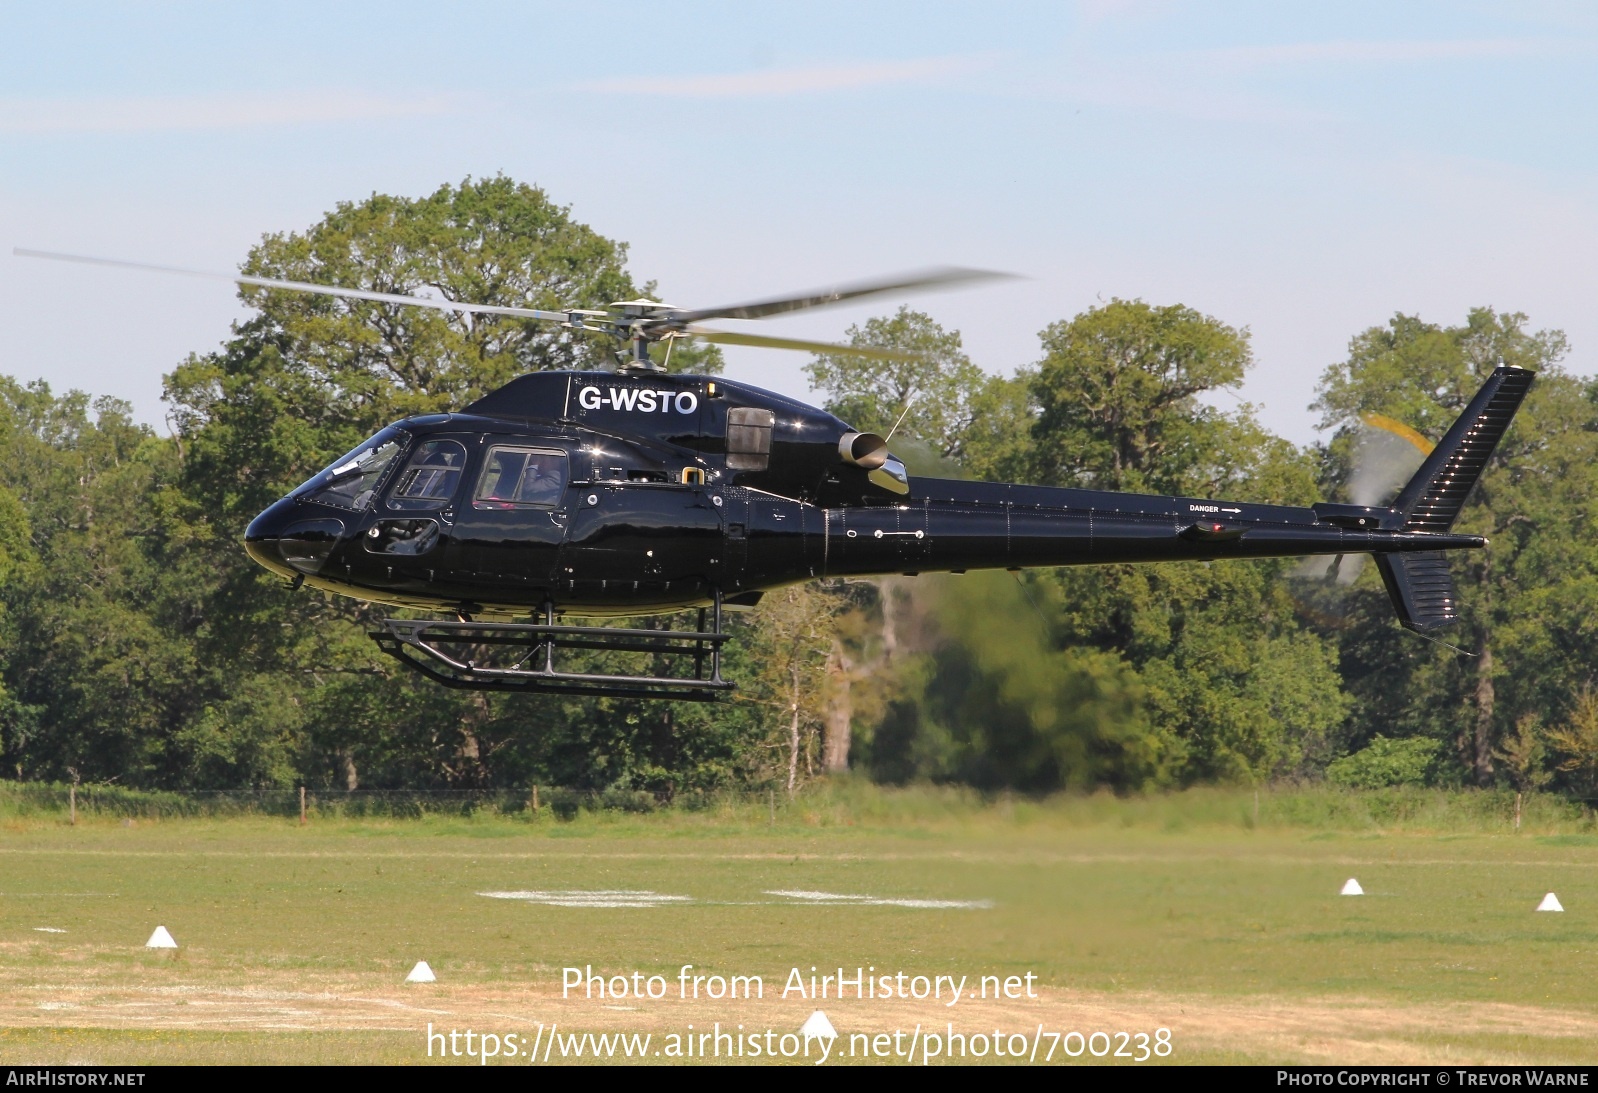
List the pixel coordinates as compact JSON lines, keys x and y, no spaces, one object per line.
{"x":1386,"y":454}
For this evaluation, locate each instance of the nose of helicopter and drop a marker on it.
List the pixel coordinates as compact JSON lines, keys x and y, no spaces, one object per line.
{"x":285,"y":541}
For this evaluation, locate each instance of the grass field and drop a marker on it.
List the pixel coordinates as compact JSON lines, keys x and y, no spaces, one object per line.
{"x":1184,"y":913}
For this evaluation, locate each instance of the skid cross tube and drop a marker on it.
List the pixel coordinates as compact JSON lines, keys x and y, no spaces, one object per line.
{"x":419,"y":645}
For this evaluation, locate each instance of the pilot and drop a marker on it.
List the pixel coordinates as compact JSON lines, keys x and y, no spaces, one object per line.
{"x":433,"y":473}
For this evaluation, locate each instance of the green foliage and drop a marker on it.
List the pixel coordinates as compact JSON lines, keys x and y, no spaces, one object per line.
{"x":1524,"y":755}
{"x":938,"y":394}
{"x":1122,"y":675}
{"x":143,"y":649}
{"x":310,"y":376}
{"x":154,"y":653}
{"x":840,"y":805}
{"x":99,"y":600}
{"x":1423,"y":374}
{"x":1576,"y":742}
{"x":1232,"y":678}
{"x":1385,"y":762}
{"x":1528,"y":601}
{"x":993,"y":703}
{"x":1117,"y":392}
{"x":997,"y":446}
{"x":1233,"y":681}
{"x":788,"y":642}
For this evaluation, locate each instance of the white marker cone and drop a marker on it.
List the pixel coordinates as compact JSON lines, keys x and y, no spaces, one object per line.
{"x":1550,"y":903}
{"x":161,"y":940}
{"x":817,"y":1026}
{"x":1352,"y":888}
{"x":421,"y":974}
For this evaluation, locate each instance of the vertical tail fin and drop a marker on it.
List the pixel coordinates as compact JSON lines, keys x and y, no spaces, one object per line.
{"x":1432,"y":499}
{"x":1420,"y":585}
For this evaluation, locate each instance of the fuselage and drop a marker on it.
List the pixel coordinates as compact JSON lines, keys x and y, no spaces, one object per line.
{"x":597,"y":494}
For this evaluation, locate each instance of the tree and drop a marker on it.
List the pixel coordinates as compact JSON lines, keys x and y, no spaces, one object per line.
{"x":1128,"y":675}
{"x":309,"y":376}
{"x":987,"y":697}
{"x":792,"y":639}
{"x":1576,"y":742}
{"x":140,"y":645}
{"x":1524,"y":756}
{"x":1117,"y":392}
{"x":998,"y":443}
{"x":1232,"y":682}
{"x":104,"y":600}
{"x":1531,"y":502}
{"x":940,"y":409}
{"x":861,"y":665}
{"x":933,"y":398}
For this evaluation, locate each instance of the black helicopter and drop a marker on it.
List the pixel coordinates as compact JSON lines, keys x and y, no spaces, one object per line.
{"x":639,"y":492}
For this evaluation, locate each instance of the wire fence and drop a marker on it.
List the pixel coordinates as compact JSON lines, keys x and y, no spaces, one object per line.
{"x":1287,"y":806}
{"x":100,"y":801}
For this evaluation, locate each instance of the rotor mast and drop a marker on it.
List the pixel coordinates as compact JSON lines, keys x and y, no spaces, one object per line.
{"x":637,"y":322}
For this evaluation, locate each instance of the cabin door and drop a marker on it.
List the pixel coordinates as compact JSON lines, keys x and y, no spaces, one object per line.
{"x":509,"y":529}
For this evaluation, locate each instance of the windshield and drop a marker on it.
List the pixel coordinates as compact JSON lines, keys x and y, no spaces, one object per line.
{"x":350,"y":482}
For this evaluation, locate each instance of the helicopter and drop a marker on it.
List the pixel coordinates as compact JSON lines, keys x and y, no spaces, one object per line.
{"x":569,"y":495}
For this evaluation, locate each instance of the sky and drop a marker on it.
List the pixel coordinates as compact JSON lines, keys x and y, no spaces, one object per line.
{"x":1302,"y":170}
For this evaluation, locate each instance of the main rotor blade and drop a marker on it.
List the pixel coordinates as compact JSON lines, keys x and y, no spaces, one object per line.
{"x":939,"y":277}
{"x":728,"y":337}
{"x":304,"y":286}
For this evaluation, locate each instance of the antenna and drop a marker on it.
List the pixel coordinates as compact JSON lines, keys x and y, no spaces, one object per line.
{"x":909,"y":403}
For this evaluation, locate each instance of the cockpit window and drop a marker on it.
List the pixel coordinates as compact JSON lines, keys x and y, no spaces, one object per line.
{"x":749,"y":438}
{"x":350,"y":482}
{"x":429,"y":480}
{"x":521,"y":476}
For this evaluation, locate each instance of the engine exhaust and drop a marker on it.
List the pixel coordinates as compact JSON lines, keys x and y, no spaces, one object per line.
{"x":866,"y":450}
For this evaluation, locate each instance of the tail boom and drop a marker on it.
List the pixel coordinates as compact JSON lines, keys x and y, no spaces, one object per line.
{"x":955,"y":526}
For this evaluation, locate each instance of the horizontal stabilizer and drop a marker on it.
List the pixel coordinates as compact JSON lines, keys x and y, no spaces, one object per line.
{"x":1422,"y":589}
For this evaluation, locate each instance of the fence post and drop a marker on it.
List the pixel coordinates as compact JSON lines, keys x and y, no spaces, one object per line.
{"x":535,"y":798}
{"x":72,"y":799}
{"x":302,"y":806}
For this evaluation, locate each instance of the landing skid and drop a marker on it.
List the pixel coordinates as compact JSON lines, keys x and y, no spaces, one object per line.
{"x":502,"y":656}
